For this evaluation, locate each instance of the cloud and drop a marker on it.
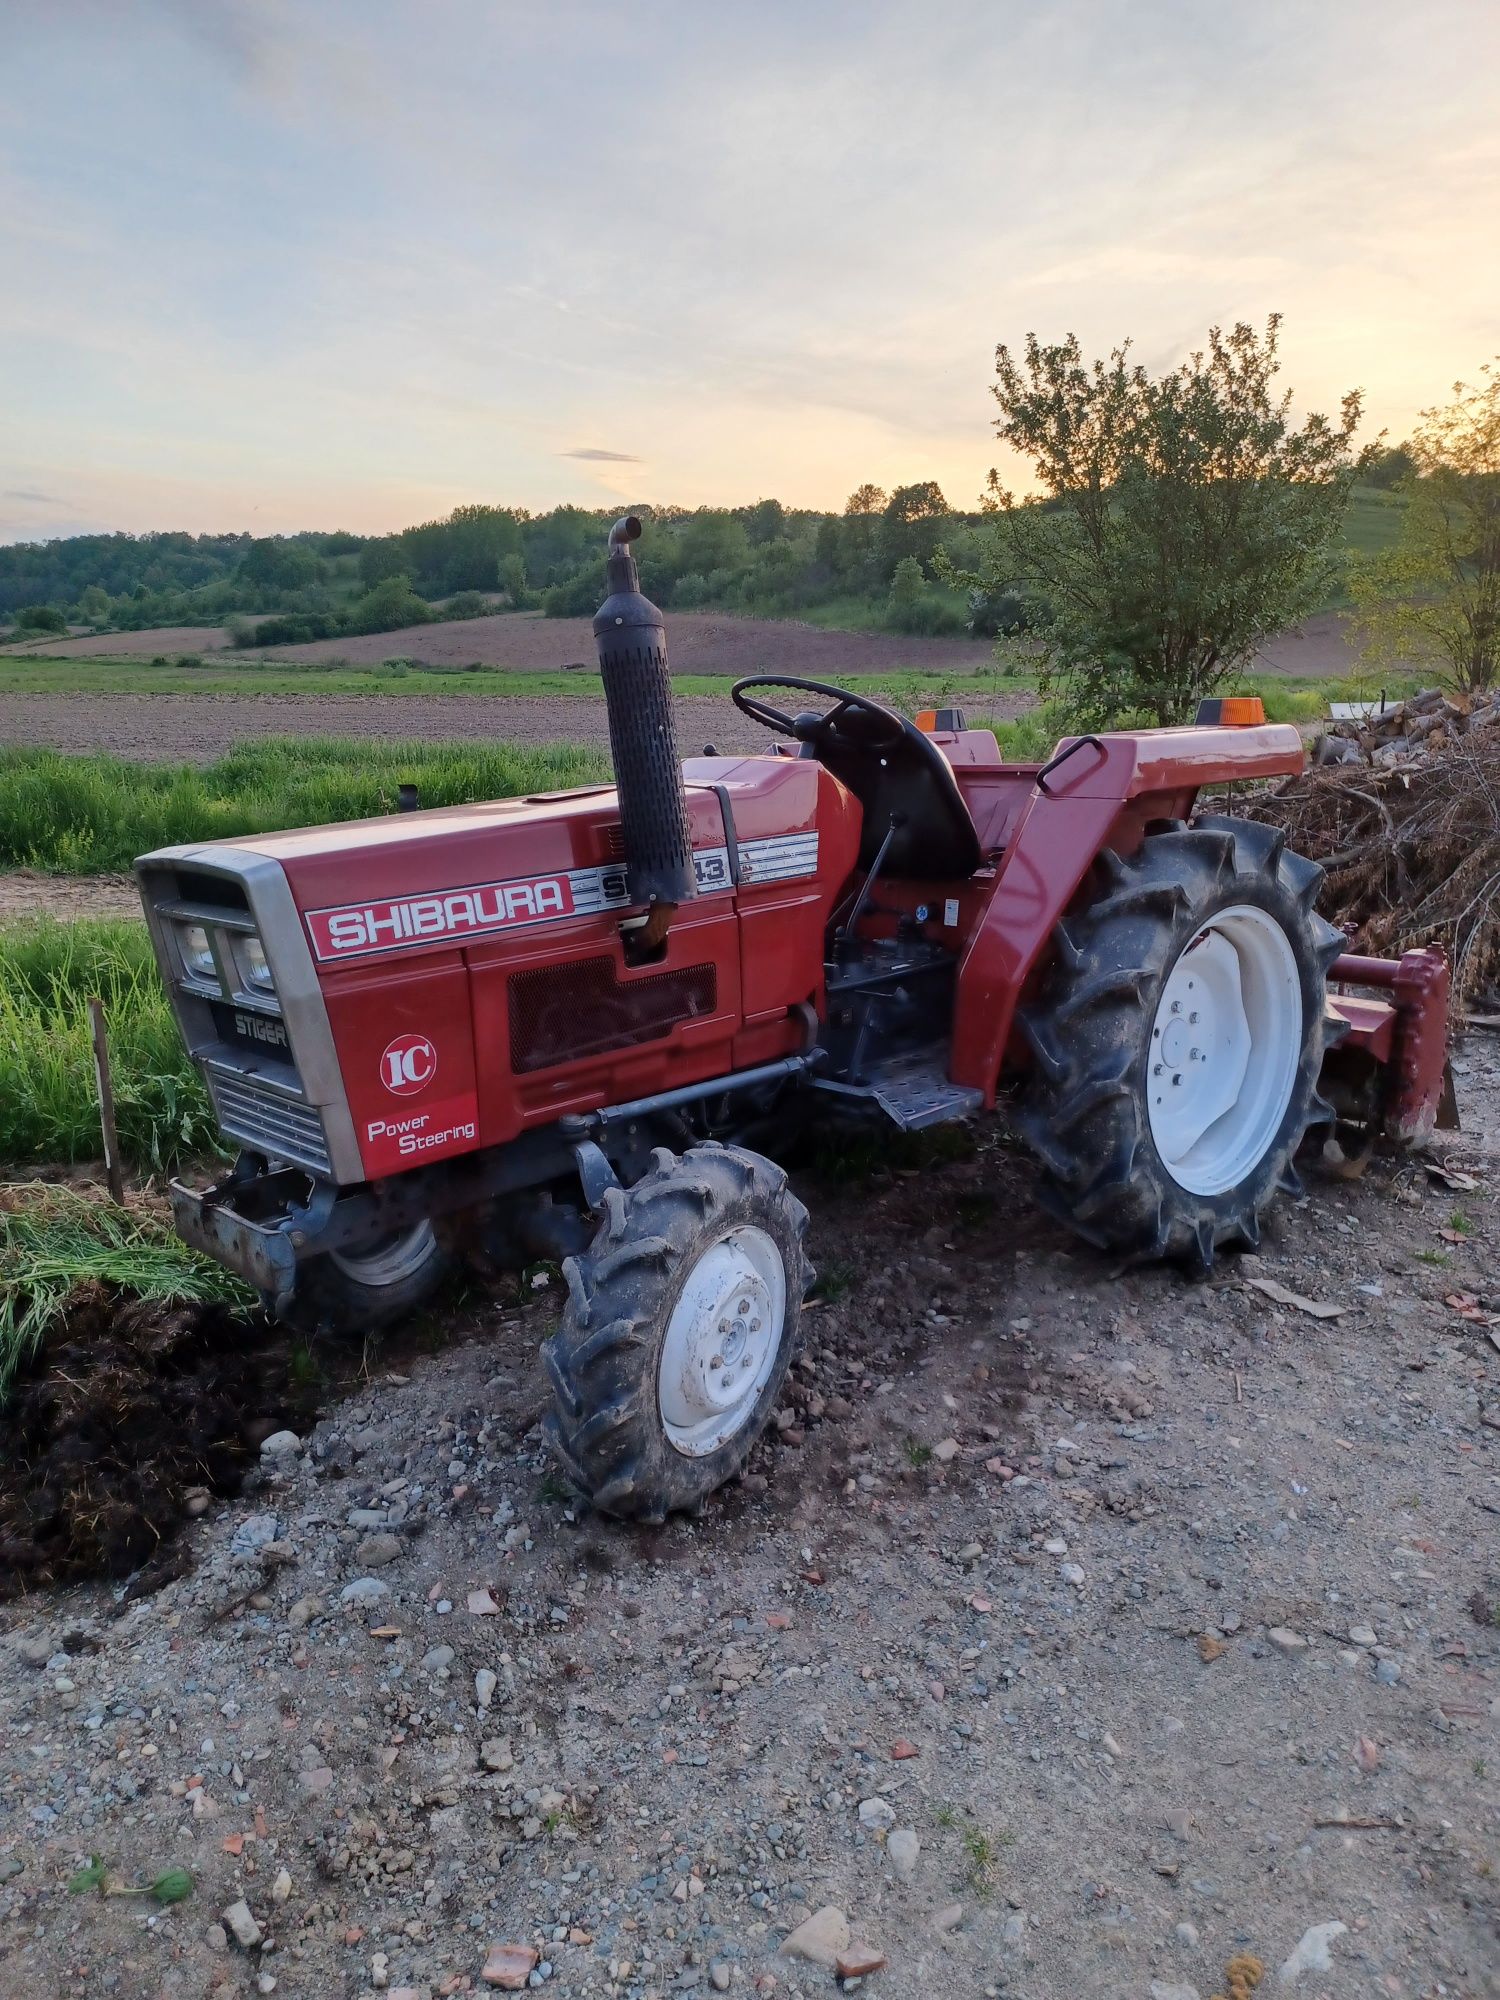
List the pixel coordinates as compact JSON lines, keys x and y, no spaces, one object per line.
{"x":30,"y":493}
{"x":594,"y":453}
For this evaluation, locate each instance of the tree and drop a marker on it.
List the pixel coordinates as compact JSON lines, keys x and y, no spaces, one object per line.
{"x":1435,"y":595}
{"x":513,"y":582}
{"x":275,"y":564}
{"x":94,"y":605}
{"x":866,"y":499}
{"x":907,"y":587}
{"x":765,"y":521}
{"x":911,"y":523}
{"x":1182,"y":519}
{"x":713,"y":539}
{"x":1388,"y":468}
{"x":380,"y":559}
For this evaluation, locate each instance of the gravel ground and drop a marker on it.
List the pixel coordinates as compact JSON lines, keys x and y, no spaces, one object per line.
{"x":1078,"y":1631}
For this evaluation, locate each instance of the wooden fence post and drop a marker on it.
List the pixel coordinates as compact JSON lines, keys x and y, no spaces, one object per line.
{"x":112,"y":1169}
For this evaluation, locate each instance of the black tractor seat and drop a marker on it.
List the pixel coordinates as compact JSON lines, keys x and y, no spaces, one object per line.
{"x":899,"y":775}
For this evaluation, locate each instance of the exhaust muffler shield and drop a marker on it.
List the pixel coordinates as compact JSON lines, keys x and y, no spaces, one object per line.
{"x":632,"y":643}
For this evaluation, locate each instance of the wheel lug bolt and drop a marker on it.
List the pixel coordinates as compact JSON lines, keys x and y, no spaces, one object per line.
{"x":1156,"y":1069}
{"x":1193,"y":1018}
{"x":717,"y":1362}
{"x":1176,"y":1006}
{"x":1177,"y":1079}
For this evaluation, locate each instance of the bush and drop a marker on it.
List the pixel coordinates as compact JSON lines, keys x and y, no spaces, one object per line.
{"x":578,"y":595}
{"x":40,"y":618}
{"x":914,"y":607}
{"x":389,"y":606}
{"x":293,"y":628}
{"x":467,"y":604}
{"x":997,"y":613}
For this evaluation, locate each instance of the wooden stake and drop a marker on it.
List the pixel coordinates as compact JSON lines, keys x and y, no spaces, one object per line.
{"x":112,"y":1170}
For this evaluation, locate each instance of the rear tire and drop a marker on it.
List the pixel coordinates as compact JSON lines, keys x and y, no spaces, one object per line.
{"x":360,"y":1293}
{"x":682,"y":1319}
{"x":1206,"y":938}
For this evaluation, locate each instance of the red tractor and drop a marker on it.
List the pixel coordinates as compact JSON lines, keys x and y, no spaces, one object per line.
{"x":579,"y":1018}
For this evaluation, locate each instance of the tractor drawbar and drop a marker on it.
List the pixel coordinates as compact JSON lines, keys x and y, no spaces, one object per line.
{"x":632,"y":643}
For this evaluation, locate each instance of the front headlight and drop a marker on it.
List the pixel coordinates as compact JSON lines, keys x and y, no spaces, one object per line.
{"x":256,"y":966}
{"x":197,"y":952}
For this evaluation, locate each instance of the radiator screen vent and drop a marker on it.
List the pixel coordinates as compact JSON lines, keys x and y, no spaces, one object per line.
{"x":561,"y":1014}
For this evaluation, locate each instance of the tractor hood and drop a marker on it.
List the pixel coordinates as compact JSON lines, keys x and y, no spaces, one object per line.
{"x":744,"y":813}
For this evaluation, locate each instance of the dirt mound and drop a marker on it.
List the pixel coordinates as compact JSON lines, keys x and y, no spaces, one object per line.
{"x":122,"y":1411}
{"x":1411,"y":840}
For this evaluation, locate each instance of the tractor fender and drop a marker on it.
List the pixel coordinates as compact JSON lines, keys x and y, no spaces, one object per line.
{"x":1097,"y":792}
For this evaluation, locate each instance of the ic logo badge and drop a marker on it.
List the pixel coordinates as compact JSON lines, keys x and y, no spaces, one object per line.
{"x":409,"y":1064}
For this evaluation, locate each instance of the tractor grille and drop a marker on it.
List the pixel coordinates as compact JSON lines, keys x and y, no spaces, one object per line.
{"x":268,"y":1119}
{"x":561,"y":1014}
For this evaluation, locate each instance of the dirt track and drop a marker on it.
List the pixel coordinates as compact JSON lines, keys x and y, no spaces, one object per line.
{"x":198,"y":728}
{"x":25,"y":893}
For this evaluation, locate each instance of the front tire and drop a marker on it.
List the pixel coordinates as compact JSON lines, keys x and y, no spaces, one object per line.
{"x":683,"y":1316}
{"x":1178,"y":1039}
{"x":358,"y":1293}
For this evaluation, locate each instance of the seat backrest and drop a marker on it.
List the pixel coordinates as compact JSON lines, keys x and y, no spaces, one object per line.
{"x":912,"y":782}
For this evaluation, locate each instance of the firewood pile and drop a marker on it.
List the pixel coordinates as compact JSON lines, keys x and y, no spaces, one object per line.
{"x":1405,"y":818}
{"x":1407,"y":729}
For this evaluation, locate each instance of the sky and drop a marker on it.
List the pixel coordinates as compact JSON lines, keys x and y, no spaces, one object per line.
{"x":281,"y":264}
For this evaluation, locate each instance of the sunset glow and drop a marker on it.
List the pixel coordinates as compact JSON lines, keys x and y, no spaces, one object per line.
{"x":273,"y":265}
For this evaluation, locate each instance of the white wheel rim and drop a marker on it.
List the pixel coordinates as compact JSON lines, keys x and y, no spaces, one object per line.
{"x":1226,"y":1046}
{"x":722,"y":1342}
{"x":391,"y":1261}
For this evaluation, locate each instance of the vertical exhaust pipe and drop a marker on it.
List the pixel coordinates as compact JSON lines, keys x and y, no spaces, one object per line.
{"x":632,"y":645}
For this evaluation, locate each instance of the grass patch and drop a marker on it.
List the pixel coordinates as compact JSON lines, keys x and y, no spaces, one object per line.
{"x":83,"y":815}
{"x":54,"y":1239}
{"x":835,"y":1282}
{"x":48,"y":1107}
{"x":224,"y":673}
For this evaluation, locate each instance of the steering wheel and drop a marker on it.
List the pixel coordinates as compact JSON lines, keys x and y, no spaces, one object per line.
{"x":876,"y":727}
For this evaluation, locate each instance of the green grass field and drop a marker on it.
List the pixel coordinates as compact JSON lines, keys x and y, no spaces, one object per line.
{"x":93,"y":814}
{"x":228,"y":673}
{"x":48,"y":1105}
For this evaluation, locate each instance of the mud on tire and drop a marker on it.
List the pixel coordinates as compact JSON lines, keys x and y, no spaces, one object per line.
{"x":608,"y":1429}
{"x":1091,"y":1030}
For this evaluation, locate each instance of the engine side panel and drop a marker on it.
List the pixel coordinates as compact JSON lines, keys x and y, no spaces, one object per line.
{"x":468,"y":965}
